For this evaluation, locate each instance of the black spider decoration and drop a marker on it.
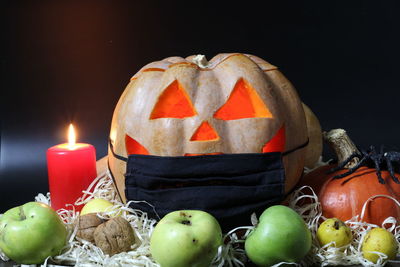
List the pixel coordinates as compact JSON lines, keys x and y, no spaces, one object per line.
{"x":372,"y":159}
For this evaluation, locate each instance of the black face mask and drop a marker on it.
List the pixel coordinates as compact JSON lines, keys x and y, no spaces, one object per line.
{"x":229,"y":186}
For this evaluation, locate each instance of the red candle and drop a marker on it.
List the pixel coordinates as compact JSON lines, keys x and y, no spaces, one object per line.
{"x":71,"y":169}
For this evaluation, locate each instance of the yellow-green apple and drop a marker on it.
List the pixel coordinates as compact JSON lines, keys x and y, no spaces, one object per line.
{"x":334,"y":231}
{"x":97,"y":205}
{"x":31,"y":232}
{"x":379,"y":240}
{"x":280,"y":236}
{"x":186,"y":238}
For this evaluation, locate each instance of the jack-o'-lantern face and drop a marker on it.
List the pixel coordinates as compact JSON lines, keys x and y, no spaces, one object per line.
{"x":242,"y":103}
{"x":237,"y":104}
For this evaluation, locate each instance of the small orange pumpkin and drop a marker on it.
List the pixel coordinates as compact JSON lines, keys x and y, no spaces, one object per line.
{"x":344,"y":198}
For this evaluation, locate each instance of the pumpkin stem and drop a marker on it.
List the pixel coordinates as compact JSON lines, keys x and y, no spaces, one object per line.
{"x":201,"y":61}
{"x":342,"y":145}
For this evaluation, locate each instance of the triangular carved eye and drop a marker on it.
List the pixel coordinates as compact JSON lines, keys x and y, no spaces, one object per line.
{"x":205,"y":132}
{"x":244,"y":102}
{"x":174,"y":102}
{"x":134,"y":147}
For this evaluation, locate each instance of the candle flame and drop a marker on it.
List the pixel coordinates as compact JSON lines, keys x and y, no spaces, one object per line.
{"x":71,"y":137}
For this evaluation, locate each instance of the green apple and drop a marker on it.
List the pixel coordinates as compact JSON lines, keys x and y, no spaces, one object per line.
{"x":96,"y":205}
{"x":31,"y":232}
{"x":186,"y":238}
{"x":280,"y":236}
{"x":334,"y":230}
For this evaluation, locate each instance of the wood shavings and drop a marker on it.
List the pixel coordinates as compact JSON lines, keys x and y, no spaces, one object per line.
{"x":80,"y":252}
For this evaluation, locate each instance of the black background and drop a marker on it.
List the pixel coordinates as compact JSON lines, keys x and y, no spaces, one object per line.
{"x":66,"y":61}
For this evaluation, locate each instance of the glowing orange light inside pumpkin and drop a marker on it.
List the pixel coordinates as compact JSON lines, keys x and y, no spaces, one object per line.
{"x":205,"y":132}
{"x":203,"y":154}
{"x":244,"y":102}
{"x":174,"y":102}
{"x":134,"y":147}
{"x":71,"y":137}
{"x":277,"y":143}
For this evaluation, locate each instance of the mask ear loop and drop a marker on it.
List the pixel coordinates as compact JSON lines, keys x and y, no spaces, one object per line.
{"x":116,"y":155}
{"x":109,"y":169}
{"x":296,"y":148}
{"x":291,"y":151}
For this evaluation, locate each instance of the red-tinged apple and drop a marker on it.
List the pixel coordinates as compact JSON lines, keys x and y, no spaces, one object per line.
{"x":186,"y":238}
{"x":31,"y":232}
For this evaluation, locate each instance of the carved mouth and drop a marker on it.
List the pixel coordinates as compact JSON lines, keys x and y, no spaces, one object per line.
{"x":203,"y":154}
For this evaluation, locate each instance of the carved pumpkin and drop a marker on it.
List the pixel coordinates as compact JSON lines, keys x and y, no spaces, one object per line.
{"x":344,"y":198}
{"x":235,"y":103}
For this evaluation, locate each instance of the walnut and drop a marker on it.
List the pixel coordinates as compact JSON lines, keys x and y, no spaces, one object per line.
{"x":114,"y":236}
{"x":87,"y":225}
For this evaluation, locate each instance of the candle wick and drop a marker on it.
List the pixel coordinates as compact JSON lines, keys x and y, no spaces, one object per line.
{"x":71,"y":146}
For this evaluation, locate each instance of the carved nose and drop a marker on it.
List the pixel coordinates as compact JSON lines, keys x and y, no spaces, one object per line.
{"x":205,"y":132}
